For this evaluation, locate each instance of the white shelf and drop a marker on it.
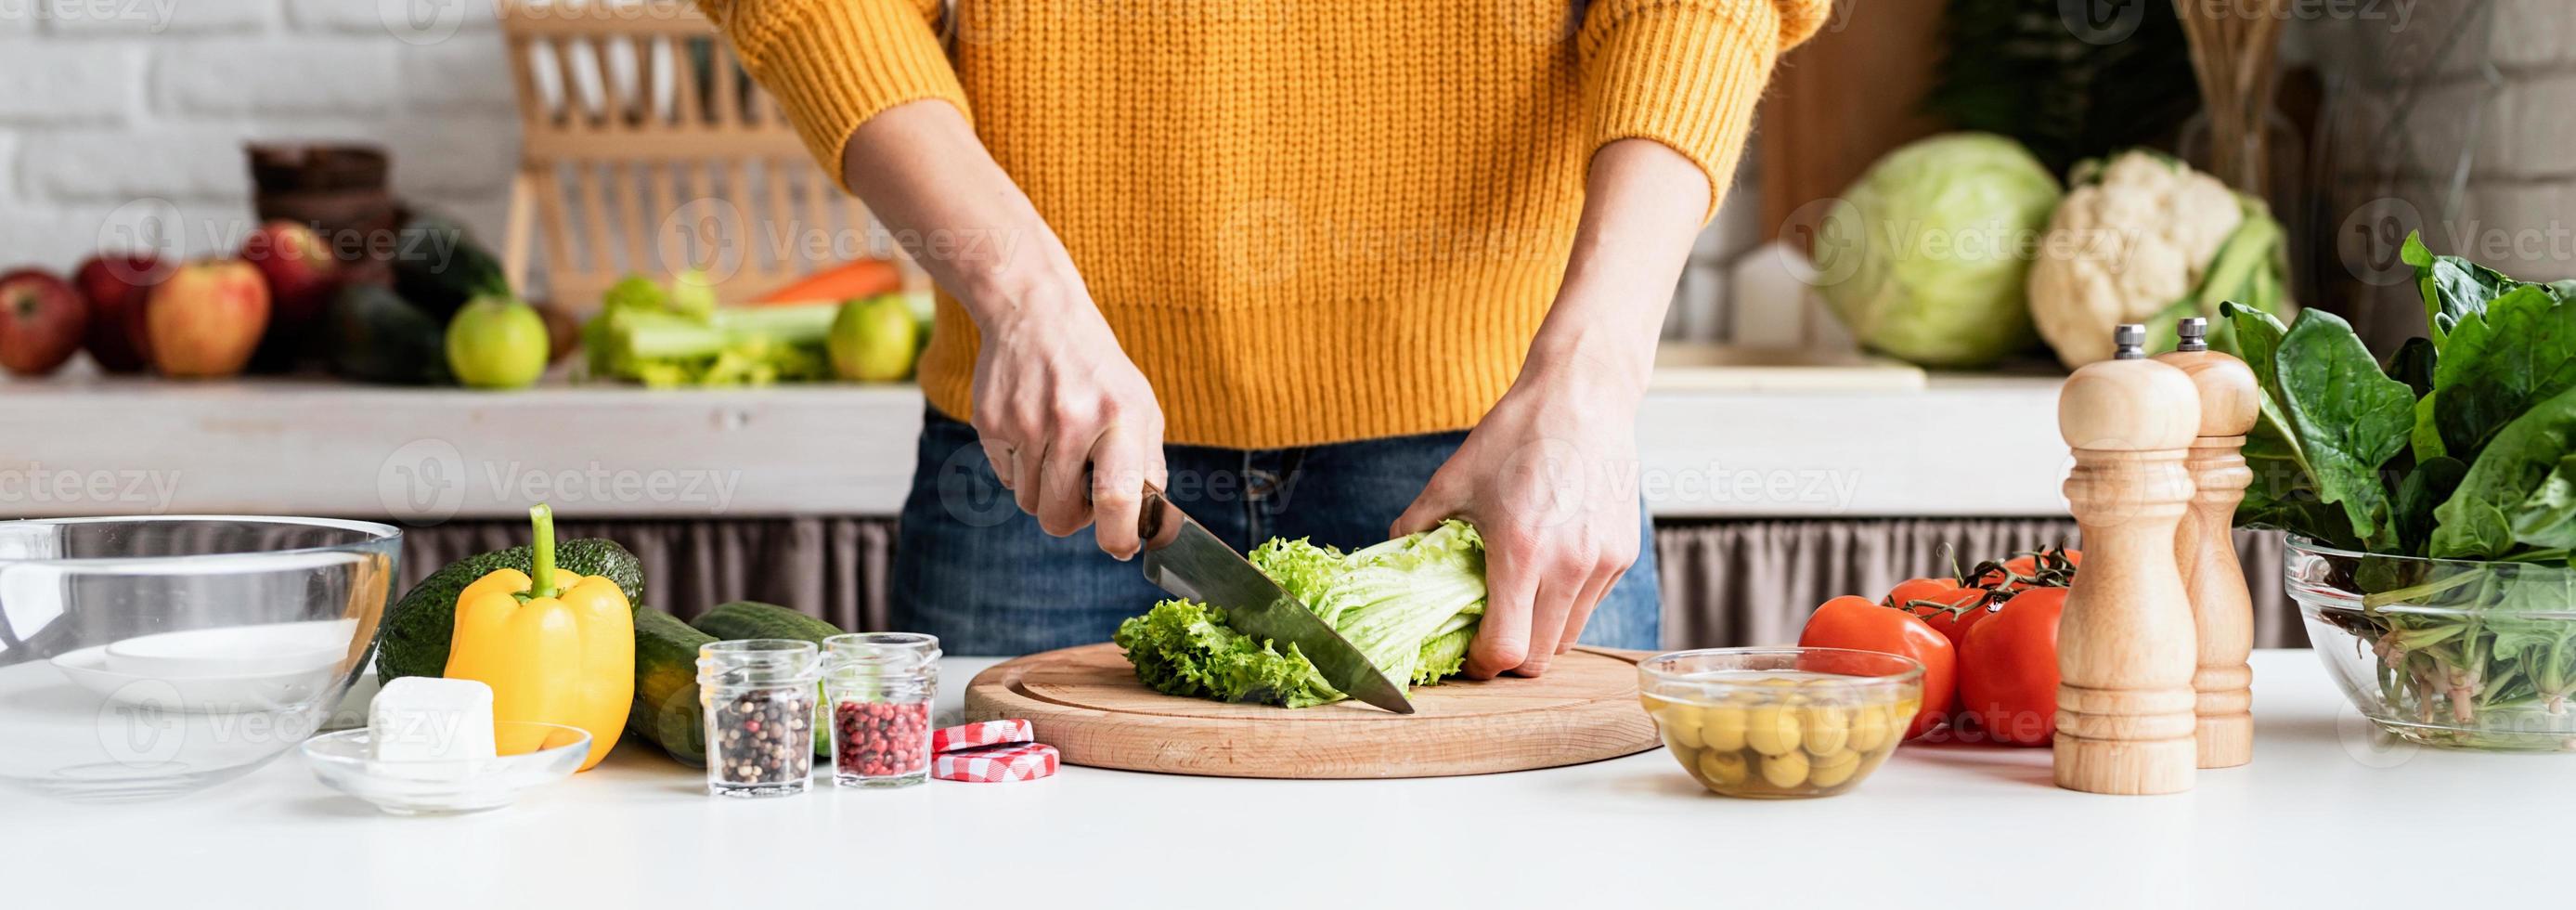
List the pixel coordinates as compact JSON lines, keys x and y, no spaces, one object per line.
{"x":88,"y":445}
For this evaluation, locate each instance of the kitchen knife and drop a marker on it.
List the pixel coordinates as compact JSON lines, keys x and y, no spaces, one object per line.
{"x":1182,"y":557}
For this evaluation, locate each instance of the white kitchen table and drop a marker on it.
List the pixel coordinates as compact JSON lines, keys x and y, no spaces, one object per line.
{"x":2328,"y":815}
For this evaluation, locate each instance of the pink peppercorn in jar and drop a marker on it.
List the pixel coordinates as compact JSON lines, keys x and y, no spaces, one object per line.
{"x":880,"y":686}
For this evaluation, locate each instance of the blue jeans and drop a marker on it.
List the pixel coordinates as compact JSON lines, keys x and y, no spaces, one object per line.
{"x":973,"y":569}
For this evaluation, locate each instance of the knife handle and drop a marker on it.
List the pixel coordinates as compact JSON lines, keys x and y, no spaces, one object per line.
{"x":1156,"y":517}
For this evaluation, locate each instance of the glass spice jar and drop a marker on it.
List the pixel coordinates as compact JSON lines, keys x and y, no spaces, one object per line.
{"x":759,"y":699}
{"x":880,"y":686}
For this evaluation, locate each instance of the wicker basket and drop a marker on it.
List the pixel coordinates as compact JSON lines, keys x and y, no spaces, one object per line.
{"x":648,"y":150}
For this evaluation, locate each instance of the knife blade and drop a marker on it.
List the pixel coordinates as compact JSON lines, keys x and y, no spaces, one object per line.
{"x":1181,"y":556}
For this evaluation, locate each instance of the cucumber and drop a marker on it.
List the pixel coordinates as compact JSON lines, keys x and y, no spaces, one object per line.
{"x":753,"y":619}
{"x":666,"y":709}
{"x":417,"y":628}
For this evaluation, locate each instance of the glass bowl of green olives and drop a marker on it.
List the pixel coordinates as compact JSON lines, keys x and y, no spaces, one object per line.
{"x":1780,"y":723}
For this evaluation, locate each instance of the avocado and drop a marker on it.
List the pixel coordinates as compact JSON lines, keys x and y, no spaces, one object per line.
{"x":438,"y":266}
{"x":416,"y":631}
{"x":374,"y":335}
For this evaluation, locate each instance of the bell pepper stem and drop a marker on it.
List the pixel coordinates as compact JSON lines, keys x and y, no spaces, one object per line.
{"x":541,"y":581}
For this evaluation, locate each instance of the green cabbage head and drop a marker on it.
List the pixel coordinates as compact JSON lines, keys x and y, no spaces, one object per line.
{"x":1924,"y":257}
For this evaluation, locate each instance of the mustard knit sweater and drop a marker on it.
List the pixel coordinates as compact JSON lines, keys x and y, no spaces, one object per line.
{"x":1307,"y":222}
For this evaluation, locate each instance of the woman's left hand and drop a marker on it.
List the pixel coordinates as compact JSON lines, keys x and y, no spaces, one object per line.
{"x":1549,"y":478}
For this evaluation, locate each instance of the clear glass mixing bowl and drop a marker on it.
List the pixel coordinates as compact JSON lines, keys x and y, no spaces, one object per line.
{"x":146,"y":657}
{"x":2445,"y":652}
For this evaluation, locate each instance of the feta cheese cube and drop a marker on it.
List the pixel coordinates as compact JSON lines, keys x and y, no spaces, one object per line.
{"x":431,"y":729}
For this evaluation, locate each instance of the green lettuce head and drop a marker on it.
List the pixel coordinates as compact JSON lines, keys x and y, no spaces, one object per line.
{"x":1924,"y":257}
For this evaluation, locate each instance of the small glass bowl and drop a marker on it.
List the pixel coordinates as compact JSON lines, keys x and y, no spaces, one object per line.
{"x":346,"y":762}
{"x":1780,"y":723}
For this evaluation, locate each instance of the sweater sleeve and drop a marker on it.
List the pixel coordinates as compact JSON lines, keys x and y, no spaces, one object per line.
{"x":832,"y":64}
{"x":1687,"y":73}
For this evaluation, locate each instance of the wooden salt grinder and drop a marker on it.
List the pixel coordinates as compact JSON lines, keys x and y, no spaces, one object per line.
{"x":2125,"y":644}
{"x":2221,"y":609}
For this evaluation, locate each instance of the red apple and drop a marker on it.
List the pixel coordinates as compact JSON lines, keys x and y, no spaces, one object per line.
{"x":300,"y":270}
{"x":116,"y":287}
{"x":41,"y":321}
{"x":206,"y":318}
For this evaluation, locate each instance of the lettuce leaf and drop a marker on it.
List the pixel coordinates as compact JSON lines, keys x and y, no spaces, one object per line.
{"x":1411,"y":605}
{"x":1183,"y":648}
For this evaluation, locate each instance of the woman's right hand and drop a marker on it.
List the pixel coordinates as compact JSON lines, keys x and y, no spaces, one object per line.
{"x":1070,"y":425}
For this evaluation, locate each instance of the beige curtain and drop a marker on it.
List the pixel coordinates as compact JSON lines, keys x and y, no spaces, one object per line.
{"x":1725,"y":582}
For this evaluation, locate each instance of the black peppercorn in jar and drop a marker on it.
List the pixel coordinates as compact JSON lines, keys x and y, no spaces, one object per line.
{"x":759,"y":696}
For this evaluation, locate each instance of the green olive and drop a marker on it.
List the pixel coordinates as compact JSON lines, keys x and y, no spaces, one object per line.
{"x":1784,"y":771}
{"x":1901,"y":717}
{"x":1771,"y":729}
{"x":1832,"y":769}
{"x":1722,"y":727}
{"x":1828,"y":728}
{"x":1724,"y":769}
{"x":1869,"y":727}
{"x":1681,"y":726}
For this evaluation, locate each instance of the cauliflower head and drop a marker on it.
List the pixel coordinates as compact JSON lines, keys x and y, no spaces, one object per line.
{"x":2136,"y":238}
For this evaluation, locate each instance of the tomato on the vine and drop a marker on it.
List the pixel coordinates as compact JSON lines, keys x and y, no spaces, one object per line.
{"x":2008,"y":669}
{"x":1943,"y":603}
{"x":1856,"y":623}
{"x":2051,"y":567}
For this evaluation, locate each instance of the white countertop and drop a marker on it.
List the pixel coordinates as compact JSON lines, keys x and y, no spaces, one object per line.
{"x":2321,"y":818}
{"x":83,"y":444}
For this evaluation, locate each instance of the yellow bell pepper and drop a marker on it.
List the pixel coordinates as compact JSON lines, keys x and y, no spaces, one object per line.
{"x":556,"y":648}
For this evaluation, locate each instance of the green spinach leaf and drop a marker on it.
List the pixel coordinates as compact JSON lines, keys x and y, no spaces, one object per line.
{"x":2479,"y":520}
{"x":2497,"y":365}
{"x":2347,"y":416}
{"x":2414,"y":365}
{"x":2453,"y":288}
{"x":2547,"y":517}
{"x":2423,"y":490}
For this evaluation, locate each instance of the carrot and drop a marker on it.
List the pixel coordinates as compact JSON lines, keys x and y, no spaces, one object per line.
{"x":859,"y":278}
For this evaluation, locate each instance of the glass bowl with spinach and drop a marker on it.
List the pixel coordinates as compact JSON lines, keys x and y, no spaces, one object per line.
{"x":2445,"y":652}
{"x":2431,"y":503}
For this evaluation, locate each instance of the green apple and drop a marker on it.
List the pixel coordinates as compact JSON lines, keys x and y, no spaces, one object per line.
{"x":874,"y":339}
{"x":497,"y":342}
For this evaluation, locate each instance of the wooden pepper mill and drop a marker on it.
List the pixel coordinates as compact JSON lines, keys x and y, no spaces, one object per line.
{"x":2221,"y":609}
{"x":2125,"y":646}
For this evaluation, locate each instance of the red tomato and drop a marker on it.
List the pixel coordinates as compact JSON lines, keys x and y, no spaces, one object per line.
{"x":1856,"y":623}
{"x":2008,"y":669}
{"x":1944,"y":604}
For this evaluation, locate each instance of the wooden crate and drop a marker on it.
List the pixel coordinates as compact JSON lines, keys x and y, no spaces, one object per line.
{"x":648,"y":150}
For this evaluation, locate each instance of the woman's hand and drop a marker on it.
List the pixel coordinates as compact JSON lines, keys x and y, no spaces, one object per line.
{"x":1054,"y":395}
{"x":1070,"y":425}
{"x":1549,"y":479}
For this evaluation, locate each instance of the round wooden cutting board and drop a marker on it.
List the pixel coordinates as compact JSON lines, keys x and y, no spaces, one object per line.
{"x":1087,"y":703}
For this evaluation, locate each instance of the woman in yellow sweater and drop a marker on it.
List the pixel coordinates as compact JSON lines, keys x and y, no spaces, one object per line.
{"x":1325,"y":269}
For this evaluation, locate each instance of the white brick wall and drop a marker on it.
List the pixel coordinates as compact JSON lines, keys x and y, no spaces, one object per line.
{"x":111,"y":104}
